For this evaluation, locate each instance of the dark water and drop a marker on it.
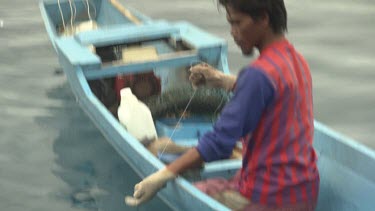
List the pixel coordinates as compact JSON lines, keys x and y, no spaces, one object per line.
{"x":53,"y":158}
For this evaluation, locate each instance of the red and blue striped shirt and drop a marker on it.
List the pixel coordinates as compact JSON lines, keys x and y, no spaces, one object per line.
{"x":271,"y":111}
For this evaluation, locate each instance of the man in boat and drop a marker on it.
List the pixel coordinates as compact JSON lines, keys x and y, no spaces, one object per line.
{"x":271,"y":112}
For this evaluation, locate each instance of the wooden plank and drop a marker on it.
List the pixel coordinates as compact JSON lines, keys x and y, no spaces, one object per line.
{"x":125,"y":12}
{"x":139,"y":54}
{"x":111,"y":69}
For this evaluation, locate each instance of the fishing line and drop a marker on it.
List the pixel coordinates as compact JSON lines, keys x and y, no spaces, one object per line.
{"x":178,"y":122}
{"x":93,"y":6}
{"x":61,"y":13}
{"x":71,"y":15}
{"x":182,"y":115}
{"x":75,"y":12}
{"x":88,"y":9}
{"x":87,"y":4}
{"x":217,"y":108}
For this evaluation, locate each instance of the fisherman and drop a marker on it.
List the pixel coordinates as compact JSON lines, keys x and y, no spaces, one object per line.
{"x":271,"y":112}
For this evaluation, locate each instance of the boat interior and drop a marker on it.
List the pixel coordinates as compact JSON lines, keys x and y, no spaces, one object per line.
{"x":152,"y":60}
{"x":155,"y":80}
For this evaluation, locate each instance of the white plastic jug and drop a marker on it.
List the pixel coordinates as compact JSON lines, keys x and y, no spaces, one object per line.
{"x":135,"y":116}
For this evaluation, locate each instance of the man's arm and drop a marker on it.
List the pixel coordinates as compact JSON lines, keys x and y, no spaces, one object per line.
{"x":240,"y":116}
{"x":253,"y":93}
{"x":188,"y":160}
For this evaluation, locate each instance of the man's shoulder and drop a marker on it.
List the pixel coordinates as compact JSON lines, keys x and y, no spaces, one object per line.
{"x":262,"y":65}
{"x":251,"y":70}
{"x":254,"y":74}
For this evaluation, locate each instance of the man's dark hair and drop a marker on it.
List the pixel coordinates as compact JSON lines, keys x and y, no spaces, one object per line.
{"x":257,"y":8}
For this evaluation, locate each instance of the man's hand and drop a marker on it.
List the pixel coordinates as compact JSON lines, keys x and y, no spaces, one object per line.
{"x":147,"y":188}
{"x":204,"y":74}
{"x":232,"y":199}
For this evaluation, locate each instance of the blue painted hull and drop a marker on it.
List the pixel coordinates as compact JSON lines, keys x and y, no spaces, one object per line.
{"x":346,"y":167}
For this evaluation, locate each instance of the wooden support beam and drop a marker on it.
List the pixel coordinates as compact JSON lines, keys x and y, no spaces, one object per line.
{"x":112,"y":69}
{"x":125,"y":12}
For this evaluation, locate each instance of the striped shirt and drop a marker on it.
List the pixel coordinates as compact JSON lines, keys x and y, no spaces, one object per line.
{"x":271,"y":111}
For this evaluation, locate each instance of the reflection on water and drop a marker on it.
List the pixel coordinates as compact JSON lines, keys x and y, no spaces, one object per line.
{"x":97,"y":176}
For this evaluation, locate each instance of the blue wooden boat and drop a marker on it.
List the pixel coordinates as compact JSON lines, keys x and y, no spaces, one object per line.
{"x":347,"y":168}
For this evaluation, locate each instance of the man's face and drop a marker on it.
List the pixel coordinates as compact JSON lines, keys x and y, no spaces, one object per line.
{"x":245,"y":31}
